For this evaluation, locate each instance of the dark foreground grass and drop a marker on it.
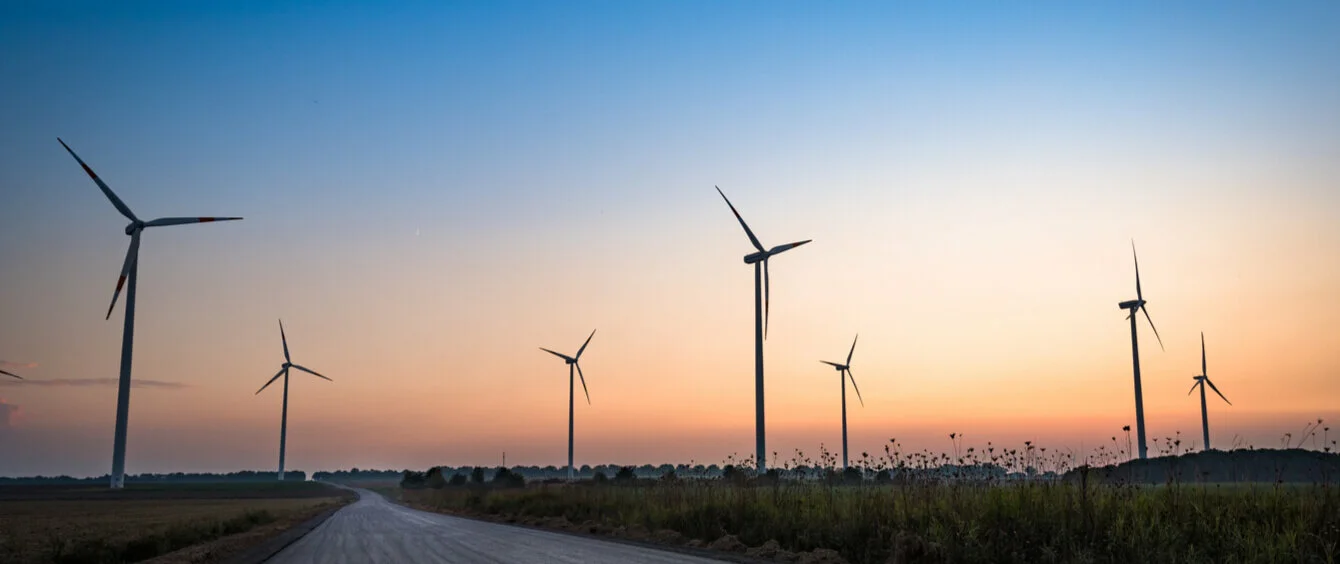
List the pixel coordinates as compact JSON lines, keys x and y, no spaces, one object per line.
{"x":1024,"y":521}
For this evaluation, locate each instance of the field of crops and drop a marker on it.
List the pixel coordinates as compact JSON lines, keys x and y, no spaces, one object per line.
{"x":934,"y":521}
{"x":63,"y":524}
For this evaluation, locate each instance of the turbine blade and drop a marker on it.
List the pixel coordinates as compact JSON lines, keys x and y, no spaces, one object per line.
{"x":747,"y":231}
{"x":855,"y":387}
{"x":1151,"y":326}
{"x":1216,"y":390}
{"x":11,"y":374}
{"x":588,"y":341}
{"x":833,"y":364}
{"x":116,"y":202}
{"x":165,"y":221}
{"x":1193,"y":386}
{"x":132,"y":255}
{"x":1203,"y":371}
{"x":283,"y":338}
{"x":272,"y":380}
{"x":779,"y":249}
{"x":312,"y":372}
{"x":853,"y":350}
{"x":1138,"y":294}
{"x":583,"y":377}
{"x":767,"y":292}
{"x":559,"y":355}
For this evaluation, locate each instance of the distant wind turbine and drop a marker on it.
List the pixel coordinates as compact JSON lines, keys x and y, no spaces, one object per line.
{"x":761,"y":293}
{"x":129,"y":271}
{"x":1201,"y":381}
{"x":283,"y":371}
{"x":11,"y":374}
{"x":1138,"y":304}
{"x":844,"y":373}
{"x":572,"y":363}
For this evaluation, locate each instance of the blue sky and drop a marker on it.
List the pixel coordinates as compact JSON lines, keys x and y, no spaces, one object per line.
{"x":430,"y":186}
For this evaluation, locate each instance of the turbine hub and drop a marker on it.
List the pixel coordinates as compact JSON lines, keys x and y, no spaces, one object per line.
{"x":752,"y":258}
{"x":134,"y":226}
{"x":1132,"y":304}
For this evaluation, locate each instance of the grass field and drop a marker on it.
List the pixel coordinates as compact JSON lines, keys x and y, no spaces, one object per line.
{"x":92,"y":524}
{"x":1028,"y":521}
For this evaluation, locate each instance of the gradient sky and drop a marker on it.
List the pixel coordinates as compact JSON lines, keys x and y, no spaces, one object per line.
{"x":433,"y":191}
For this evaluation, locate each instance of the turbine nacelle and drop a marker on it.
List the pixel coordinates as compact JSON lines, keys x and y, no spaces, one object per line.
{"x":134,"y":227}
{"x":1131,"y":305}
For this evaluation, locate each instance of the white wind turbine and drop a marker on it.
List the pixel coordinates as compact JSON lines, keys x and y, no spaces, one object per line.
{"x":1201,"y":381}
{"x":844,"y":373}
{"x":129,"y":272}
{"x":761,"y":292}
{"x":283,"y":371}
{"x":572,"y":364}
{"x":1138,"y":304}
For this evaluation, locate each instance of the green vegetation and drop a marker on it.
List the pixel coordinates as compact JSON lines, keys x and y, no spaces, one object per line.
{"x":941,"y":521}
{"x":91,"y":524}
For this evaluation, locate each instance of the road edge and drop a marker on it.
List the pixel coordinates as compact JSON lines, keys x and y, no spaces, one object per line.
{"x":266,"y":550}
{"x":706,"y":553}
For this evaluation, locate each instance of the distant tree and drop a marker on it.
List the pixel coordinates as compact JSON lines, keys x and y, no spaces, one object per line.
{"x":458,"y":479}
{"x":883,"y":477}
{"x":505,"y":478}
{"x":625,"y":475}
{"x":600,"y":478}
{"x":477,"y":476}
{"x":435,"y":479}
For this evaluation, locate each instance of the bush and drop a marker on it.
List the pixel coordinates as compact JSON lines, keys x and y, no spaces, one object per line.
{"x":458,"y":479}
{"x":625,"y":475}
{"x":477,"y":476}
{"x":505,"y":478}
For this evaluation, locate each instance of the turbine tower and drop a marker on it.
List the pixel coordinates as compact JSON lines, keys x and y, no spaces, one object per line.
{"x":129,"y":272}
{"x":844,"y":373}
{"x":761,"y":292}
{"x":1138,"y":304}
{"x":283,"y":371}
{"x":1201,"y":381}
{"x":572,"y":363}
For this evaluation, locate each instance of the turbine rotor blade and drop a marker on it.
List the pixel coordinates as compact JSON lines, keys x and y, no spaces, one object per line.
{"x":1138,"y":294}
{"x":1203,"y":371}
{"x":132,"y":255}
{"x":1216,"y":390}
{"x":833,"y":364}
{"x":747,"y":231}
{"x":165,"y":221}
{"x":779,"y":249}
{"x":853,"y":350}
{"x":272,"y":380}
{"x":312,"y":372}
{"x":559,"y":355}
{"x":116,"y":202}
{"x":588,"y":341}
{"x":11,"y":374}
{"x":855,"y":387}
{"x":1151,"y":326}
{"x":583,"y":377}
{"x":1193,"y":387}
{"x":285,"y":340}
{"x":767,"y":293}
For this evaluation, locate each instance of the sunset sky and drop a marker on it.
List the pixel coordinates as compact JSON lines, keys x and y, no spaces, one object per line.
{"x":434,"y":191}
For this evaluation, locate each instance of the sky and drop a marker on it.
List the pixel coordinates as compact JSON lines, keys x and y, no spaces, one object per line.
{"x":433,"y":191}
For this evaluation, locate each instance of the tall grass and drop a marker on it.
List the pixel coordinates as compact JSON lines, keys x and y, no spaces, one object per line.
{"x":949,"y":521}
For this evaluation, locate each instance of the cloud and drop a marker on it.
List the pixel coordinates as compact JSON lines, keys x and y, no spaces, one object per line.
{"x":8,"y":364}
{"x":89,"y":382}
{"x":8,"y":411}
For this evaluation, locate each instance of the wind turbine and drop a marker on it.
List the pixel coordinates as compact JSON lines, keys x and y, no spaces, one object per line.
{"x":572,"y":363}
{"x":11,"y":374}
{"x":129,"y":271}
{"x":761,"y":291}
{"x":1138,"y":304}
{"x":1201,"y":381}
{"x":844,"y":372}
{"x":283,"y":371}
